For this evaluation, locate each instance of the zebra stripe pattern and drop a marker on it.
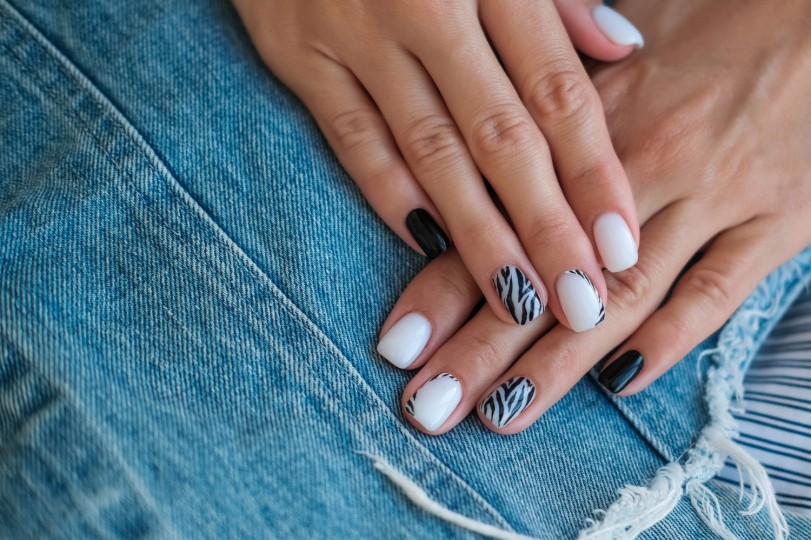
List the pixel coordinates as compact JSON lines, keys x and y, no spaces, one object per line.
{"x":584,"y":277}
{"x":518,"y":295}
{"x":507,"y":401}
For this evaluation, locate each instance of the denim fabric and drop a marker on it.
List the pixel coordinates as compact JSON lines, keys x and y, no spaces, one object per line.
{"x":190,"y":293}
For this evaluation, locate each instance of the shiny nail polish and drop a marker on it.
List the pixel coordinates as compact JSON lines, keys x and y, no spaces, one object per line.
{"x":616,"y":27}
{"x":518,"y":295}
{"x":615,"y":242}
{"x":621,"y":371}
{"x":404,"y":341}
{"x":580,"y":300}
{"x":428,"y":235}
{"x":508,"y":400}
{"x":434,"y":402}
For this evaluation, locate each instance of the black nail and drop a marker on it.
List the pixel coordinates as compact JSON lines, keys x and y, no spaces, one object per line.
{"x":621,"y":371}
{"x":430,"y":237}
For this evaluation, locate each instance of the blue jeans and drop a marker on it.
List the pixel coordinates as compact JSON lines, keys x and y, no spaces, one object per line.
{"x":190,"y":292}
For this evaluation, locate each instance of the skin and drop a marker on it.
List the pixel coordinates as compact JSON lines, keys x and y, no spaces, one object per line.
{"x":420,"y":99}
{"x":712,"y":122}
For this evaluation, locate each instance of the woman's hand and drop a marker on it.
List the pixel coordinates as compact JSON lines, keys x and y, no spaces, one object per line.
{"x":421,"y":98}
{"x":713,"y":124}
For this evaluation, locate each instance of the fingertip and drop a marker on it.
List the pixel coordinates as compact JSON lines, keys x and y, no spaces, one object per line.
{"x":598,"y":31}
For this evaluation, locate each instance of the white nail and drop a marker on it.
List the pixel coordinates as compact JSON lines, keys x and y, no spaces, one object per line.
{"x":615,"y":242}
{"x":404,"y":341}
{"x":616,"y":27}
{"x":434,"y":402}
{"x":580,"y":300}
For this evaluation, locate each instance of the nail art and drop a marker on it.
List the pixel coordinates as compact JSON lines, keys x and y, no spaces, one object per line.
{"x":622,"y":371}
{"x":616,"y":27}
{"x":434,"y":402}
{"x":580,"y":300}
{"x":507,"y":401}
{"x":404,"y":341}
{"x":615,"y":242}
{"x":429,"y":236}
{"x":518,"y":295}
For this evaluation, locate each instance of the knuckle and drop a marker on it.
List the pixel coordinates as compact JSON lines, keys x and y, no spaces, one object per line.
{"x":454,"y":289}
{"x":548,"y":231}
{"x":485,"y":354}
{"x":355,"y":128}
{"x":560,"y":95}
{"x":432,"y":140}
{"x":503,"y":132}
{"x":627,"y":289}
{"x":714,"y":287}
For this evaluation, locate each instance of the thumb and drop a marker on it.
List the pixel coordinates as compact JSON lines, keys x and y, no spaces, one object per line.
{"x":598,"y":30}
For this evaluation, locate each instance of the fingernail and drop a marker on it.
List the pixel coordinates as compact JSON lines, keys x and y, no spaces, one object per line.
{"x":404,"y":341}
{"x":621,"y":371}
{"x":518,"y":295}
{"x":507,"y":401}
{"x":428,"y":235}
{"x":615,"y":242}
{"x":617,"y":28}
{"x":580,"y":300}
{"x":434,"y":402}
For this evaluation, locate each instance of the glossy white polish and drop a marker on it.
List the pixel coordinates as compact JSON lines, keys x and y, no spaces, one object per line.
{"x":434,"y":402}
{"x":404,"y":341}
{"x":580,"y":300}
{"x":617,"y":28}
{"x":615,"y":242}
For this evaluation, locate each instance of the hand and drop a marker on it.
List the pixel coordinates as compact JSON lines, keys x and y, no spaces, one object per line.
{"x":417,"y":106}
{"x":712,"y":123}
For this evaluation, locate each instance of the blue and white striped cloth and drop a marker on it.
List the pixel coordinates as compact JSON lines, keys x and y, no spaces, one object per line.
{"x":776,"y":424}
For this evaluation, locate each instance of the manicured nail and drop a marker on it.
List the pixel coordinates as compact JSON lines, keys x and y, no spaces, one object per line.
{"x":404,"y":341}
{"x":580,"y":300}
{"x":617,"y":28}
{"x":507,"y":401}
{"x":615,"y":242}
{"x":434,"y":402}
{"x":621,"y":371}
{"x":518,"y":295}
{"x":429,"y":236}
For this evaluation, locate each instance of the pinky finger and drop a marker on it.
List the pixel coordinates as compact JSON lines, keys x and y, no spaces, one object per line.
{"x":361,"y":139}
{"x":702,"y":301}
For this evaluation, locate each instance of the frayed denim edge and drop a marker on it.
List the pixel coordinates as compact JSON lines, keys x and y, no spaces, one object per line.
{"x":639,"y":508}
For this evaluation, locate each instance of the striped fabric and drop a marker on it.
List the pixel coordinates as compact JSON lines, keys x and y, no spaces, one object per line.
{"x":776,"y":424}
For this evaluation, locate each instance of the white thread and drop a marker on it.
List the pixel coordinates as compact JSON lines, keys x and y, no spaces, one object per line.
{"x":708,"y":508}
{"x":705,"y":459}
{"x":418,"y":496}
{"x":639,"y":508}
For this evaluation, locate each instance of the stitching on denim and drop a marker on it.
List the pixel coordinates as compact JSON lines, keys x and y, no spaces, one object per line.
{"x":224,"y":240}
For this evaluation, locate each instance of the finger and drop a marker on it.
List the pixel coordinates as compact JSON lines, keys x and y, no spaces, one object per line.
{"x":702,"y":301}
{"x":509,"y":149}
{"x":431,"y":309}
{"x":364,"y":145}
{"x":556,"y":362}
{"x":558,"y":93}
{"x":444,"y":392}
{"x":436,"y":152}
{"x":598,"y":30}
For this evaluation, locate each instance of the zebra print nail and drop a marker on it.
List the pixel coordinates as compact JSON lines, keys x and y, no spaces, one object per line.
{"x":580,"y":300}
{"x":517,"y":294}
{"x":508,"y":401}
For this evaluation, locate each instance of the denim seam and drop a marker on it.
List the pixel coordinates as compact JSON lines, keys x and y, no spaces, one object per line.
{"x":105,"y":106}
